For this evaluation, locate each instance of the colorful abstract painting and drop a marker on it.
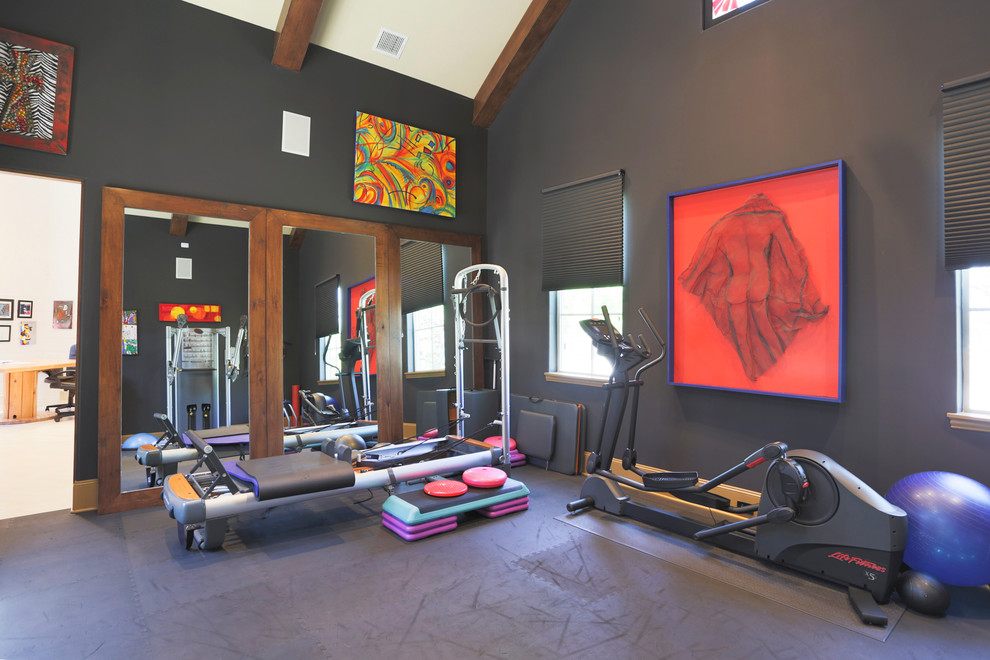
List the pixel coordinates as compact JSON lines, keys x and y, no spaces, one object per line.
{"x":169,"y":312}
{"x":403,"y":167}
{"x":129,"y":339}
{"x":756,"y":285}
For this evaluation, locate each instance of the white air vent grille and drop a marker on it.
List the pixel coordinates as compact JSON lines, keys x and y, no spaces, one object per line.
{"x":390,"y":43}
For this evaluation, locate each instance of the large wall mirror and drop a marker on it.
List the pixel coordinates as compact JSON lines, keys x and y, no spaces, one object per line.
{"x":267,"y":268}
{"x":162,"y":249}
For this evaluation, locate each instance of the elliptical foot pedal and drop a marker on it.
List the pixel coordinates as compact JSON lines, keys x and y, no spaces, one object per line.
{"x":669,"y":480}
{"x":866,"y":608}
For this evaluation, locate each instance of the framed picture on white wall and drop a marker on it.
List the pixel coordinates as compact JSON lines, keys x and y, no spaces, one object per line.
{"x":4,"y":333}
{"x":6,"y":309}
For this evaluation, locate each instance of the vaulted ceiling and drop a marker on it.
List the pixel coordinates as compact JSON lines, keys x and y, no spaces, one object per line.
{"x":476,"y":48}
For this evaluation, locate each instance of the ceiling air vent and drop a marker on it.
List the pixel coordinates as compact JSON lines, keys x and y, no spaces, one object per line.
{"x":390,"y":43}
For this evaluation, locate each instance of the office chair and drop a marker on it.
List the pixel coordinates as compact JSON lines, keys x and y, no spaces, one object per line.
{"x":63,"y":379}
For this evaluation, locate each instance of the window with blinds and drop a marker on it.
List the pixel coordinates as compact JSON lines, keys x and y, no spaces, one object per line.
{"x":422,"y":275}
{"x":583,"y":233}
{"x":966,"y":151}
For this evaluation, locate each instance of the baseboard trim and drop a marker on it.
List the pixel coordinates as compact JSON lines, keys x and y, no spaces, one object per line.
{"x":84,"y":495}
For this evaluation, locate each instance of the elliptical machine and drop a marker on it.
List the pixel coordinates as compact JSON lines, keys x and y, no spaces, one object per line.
{"x":813,"y":516}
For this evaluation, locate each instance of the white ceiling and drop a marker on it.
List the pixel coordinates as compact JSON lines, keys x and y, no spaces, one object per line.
{"x":452,"y":43}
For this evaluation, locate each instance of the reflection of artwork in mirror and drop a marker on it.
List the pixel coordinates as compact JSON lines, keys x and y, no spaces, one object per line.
{"x":129,"y":332}
{"x":62,"y":315}
{"x":34,"y":104}
{"x":354,"y":299}
{"x":403,"y":167}
{"x":195,"y":313}
{"x":24,"y":309}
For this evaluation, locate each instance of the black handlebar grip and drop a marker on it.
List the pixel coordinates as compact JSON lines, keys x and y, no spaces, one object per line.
{"x":583,"y":503}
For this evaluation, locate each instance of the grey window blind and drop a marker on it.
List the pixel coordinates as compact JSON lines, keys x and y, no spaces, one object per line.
{"x":325,"y":307}
{"x":422,"y":275}
{"x":966,"y":151}
{"x":582,"y":233}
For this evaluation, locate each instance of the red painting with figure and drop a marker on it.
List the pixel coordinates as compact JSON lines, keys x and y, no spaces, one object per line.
{"x":756,"y":285}
{"x":354,"y":298}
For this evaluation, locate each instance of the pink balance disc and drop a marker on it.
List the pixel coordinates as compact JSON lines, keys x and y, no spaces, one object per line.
{"x":483,"y":477}
{"x":496,"y":441}
{"x":445,"y":488}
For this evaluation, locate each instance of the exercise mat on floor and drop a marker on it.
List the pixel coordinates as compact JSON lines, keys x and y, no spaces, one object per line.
{"x":818,"y":598}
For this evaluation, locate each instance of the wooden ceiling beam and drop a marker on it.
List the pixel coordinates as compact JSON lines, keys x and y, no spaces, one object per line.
{"x":522,"y":47}
{"x":296,"y":238}
{"x":294,"y":32}
{"x":179,"y":225}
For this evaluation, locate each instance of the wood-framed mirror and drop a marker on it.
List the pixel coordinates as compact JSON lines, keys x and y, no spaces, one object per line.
{"x":119,"y":203}
{"x":267,"y":229}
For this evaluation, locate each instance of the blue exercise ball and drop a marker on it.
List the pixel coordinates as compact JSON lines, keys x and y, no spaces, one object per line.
{"x":135,"y":441}
{"x":948,"y":526}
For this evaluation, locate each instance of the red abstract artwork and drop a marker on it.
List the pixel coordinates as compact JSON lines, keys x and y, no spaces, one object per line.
{"x":354,"y":294}
{"x":756,"y":285}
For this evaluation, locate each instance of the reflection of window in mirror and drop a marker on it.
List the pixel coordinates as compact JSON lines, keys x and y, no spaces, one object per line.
{"x":425,"y":337}
{"x":329,"y":357}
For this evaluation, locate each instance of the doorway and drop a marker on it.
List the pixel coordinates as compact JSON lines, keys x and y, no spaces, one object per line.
{"x":39,"y":273}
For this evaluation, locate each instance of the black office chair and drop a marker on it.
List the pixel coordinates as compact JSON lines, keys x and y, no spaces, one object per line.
{"x":63,"y":379}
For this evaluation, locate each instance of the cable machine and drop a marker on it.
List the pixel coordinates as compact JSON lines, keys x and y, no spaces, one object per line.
{"x":194,"y":358}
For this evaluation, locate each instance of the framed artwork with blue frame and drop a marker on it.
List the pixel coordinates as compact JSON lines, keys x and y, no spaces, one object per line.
{"x":756,"y":284}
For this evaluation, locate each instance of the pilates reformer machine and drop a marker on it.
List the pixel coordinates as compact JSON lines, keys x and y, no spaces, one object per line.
{"x":161,"y":458}
{"x":202,"y":500}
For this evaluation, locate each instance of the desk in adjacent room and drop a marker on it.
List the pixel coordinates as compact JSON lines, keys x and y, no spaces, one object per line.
{"x":20,"y":380}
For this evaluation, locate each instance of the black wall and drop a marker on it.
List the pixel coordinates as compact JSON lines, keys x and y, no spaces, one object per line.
{"x":172,"y":98}
{"x":638,"y":85}
{"x":220,"y":276}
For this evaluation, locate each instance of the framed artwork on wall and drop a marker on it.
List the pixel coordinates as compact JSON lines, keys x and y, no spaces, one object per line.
{"x":24,"y":309}
{"x":403,"y":167}
{"x":35,"y":92}
{"x":169,"y":312}
{"x":756,"y":285}
{"x":62,"y":315}
{"x":29,"y":332}
{"x":4,"y":333}
{"x":6,"y":309}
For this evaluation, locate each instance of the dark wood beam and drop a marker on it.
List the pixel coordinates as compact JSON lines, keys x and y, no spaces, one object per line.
{"x":294,"y":31}
{"x":179,"y":225}
{"x":296,"y":237}
{"x":522,"y":47}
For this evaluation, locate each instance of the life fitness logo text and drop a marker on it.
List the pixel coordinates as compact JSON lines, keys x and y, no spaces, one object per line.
{"x":849,"y":559}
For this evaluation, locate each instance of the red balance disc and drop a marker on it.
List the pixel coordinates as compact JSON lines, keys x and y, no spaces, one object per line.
{"x":483,"y":477}
{"x":496,"y":441}
{"x":445,"y":488}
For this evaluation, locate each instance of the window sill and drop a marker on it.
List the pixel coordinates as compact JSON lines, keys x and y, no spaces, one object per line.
{"x":968,"y":421}
{"x":574,"y":379}
{"x":426,"y":374}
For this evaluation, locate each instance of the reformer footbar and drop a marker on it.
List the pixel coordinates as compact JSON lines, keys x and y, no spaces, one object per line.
{"x":413,"y":515}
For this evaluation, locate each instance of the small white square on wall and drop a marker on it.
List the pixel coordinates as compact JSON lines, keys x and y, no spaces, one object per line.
{"x":295,"y":133}
{"x":183,"y":268}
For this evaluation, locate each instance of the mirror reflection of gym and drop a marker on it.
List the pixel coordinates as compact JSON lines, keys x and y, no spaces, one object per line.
{"x":427,"y":271}
{"x":192,"y":365}
{"x":328,"y":327}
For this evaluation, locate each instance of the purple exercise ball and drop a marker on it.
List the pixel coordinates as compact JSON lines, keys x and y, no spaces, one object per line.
{"x":948,"y":526}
